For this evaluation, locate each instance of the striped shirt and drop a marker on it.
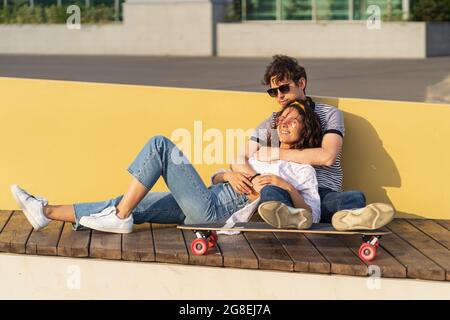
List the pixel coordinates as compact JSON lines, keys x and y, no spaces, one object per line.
{"x":331,"y":121}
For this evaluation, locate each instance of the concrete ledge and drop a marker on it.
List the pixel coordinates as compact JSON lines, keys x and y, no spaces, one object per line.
{"x":34,"y":277}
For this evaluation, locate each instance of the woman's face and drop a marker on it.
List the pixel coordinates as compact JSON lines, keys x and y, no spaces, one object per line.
{"x":289,"y":126}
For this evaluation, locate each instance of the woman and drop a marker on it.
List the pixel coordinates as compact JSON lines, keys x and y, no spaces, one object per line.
{"x":189,"y":200}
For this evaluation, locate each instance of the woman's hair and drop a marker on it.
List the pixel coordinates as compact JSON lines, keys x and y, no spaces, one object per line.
{"x":311,"y":132}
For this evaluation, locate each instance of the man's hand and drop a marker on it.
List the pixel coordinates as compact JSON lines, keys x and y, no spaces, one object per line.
{"x":239,"y":181}
{"x":267,"y":154}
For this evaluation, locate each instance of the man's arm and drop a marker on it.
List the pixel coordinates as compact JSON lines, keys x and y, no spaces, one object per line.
{"x":241,"y":164}
{"x":251,"y":147}
{"x":324,"y":156}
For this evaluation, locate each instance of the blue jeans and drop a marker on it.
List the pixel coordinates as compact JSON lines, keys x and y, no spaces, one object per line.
{"x":189,"y":200}
{"x":334,"y":201}
{"x":331,"y":201}
{"x":274,"y":193}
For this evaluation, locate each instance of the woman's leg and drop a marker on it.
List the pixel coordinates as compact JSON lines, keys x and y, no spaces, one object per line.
{"x":60,"y":212}
{"x":155,"y":207}
{"x":136,"y":191}
{"x":160,"y":157}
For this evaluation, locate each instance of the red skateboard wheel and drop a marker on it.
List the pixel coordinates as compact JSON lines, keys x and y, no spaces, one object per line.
{"x":367,"y":252}
{"x":199,"y":247}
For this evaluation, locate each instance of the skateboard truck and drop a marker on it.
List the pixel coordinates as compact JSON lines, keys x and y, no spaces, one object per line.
{"x":204,"y":241}
{"x":368,"y":249}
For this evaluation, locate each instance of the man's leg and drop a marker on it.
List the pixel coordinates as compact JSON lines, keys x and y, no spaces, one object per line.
{"x":333,"y":201}
{"x":348,"y":211}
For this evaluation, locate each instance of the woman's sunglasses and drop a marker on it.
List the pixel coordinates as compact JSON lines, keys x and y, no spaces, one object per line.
{"x":273,"y":92}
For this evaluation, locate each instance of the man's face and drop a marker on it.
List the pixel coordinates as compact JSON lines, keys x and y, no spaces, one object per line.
{"x":295,"y":90}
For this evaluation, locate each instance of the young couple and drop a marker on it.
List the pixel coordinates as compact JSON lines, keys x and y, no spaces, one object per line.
{"x":291,"y":169}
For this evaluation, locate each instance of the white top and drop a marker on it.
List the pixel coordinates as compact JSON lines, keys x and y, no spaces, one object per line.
{"x":301,"y":176}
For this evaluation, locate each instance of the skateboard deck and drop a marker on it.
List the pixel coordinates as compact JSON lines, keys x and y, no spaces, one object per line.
{"x":206,"y":235}
{"x":323,"y":228}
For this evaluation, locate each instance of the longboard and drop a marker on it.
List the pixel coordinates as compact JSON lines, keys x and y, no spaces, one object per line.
{"x":207,"y":235}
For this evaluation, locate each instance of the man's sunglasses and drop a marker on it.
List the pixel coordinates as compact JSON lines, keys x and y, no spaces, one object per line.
{"x":273,"y":92}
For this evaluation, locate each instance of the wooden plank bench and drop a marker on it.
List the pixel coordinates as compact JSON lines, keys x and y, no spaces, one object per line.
{"x":416,"y":249}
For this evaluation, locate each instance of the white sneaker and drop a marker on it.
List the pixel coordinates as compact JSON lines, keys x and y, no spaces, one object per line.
{"x":371,"y":217}
{"x":108,"y":221}
{"x":32,"y":207}
{"x":281,"y":216}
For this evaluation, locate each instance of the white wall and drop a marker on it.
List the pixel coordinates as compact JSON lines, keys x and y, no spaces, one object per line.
{"x":57,"y":39}
{"x":332,"y":39}
{"x":169,"y":27}
{"x":174,"y":27}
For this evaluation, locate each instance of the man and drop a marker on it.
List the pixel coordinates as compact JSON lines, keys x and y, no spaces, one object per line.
{"x":346,"y":210}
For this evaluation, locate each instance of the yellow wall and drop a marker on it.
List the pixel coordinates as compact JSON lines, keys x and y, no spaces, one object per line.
{"x":73,"y":141}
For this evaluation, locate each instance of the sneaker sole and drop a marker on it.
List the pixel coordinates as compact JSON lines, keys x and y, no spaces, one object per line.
{"x":29,"y":216}
{"x":278,"y":215}
{"x":110,"y":230}
{"x":381,"y":214}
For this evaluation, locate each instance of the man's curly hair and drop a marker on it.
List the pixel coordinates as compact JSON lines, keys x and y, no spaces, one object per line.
{"x":284,"y":68}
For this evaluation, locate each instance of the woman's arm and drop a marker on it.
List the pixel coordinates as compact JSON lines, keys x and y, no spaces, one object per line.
{"x":218,"y":178}
{"x":239,"y":181}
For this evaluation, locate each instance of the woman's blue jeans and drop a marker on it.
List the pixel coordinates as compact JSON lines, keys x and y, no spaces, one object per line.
{"x":189,"y":200}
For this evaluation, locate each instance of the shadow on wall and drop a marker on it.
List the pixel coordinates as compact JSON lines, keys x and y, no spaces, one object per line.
{"x":367,"y":165}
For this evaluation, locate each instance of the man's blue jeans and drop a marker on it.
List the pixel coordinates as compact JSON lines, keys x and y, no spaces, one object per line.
{"x":188,"y":201}
{"x":334,"y":201}
{"x":331,"y":201}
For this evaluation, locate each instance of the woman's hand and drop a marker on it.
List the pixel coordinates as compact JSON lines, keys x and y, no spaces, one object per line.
{"x":260,"y":181}
{"x":239,"y":181}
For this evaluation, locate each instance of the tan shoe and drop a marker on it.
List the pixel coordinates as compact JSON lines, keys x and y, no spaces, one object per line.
{"x":372,"y":217}
{"x":281,"y":216}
